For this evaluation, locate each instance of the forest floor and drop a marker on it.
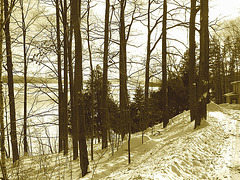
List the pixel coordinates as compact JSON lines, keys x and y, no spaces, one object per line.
{"x":177,"y":152}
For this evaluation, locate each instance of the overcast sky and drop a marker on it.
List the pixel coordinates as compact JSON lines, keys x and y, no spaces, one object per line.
{"x":224,"y":8}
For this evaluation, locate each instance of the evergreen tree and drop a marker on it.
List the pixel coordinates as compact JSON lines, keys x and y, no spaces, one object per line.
{"x":136,"y":110}
{"x":215,"y":70}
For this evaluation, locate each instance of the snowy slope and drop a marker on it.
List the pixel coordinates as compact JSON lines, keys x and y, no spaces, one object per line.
{"x":176,"y":152}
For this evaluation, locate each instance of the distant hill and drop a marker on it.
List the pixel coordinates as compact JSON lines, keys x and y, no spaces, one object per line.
{"x":20,"y":79}
{"x":141,"y":82}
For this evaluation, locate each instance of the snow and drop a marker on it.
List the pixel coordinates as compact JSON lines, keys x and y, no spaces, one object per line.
{"x":179,"y":151}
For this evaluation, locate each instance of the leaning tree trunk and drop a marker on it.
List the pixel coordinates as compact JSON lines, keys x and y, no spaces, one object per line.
{"x":13,"y":132}
{"x":78,"y":85}
{"x":164,"y":66}
{"x":192,"y":62}
{"x":105,"y":72}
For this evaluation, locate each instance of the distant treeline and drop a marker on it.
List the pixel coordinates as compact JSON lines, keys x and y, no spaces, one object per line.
{"x":20,"y":79}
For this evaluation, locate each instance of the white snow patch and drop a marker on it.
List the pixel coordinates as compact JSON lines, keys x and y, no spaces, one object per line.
{"x":178,"y":151}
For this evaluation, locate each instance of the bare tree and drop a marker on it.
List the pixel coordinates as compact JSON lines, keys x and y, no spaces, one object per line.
{"x":78,"y":85}
{"x":60,"y":91}
{"x":25,"y":80}
{"x":72,"y":99}
{"x":124,"y":112}
{"x":13,"y":133}
{"x":92,"y":79}
{"x":2,"y":131}
{"x":65,"y":93}
{"x":105,"y":74}
{"x":203,"y":83}
{"x":164,"y":65}
{"x":192,"y":62}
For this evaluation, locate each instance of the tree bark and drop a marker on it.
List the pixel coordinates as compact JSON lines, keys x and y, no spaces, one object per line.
{"x":13,"y":132}
{"x":25,"y":144}
{"x":2,"y":126}
{"x":78,"y":83}
{"x":192,"y":63}
{"x":203,"y":83}
{"x":92,"y":79}
{"x":60,"y":91}
{"x":71,"y":81}
{"x":124,"y":116}
{"x":146,"y":95}
{"x":105,"y":74}
{"x":164,"y":66}
{"x":65,"y":93}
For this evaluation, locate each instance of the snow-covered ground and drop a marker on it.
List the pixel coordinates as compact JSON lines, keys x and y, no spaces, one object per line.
{"x":176,"y":152}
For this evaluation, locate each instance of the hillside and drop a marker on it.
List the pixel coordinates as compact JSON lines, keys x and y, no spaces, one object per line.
{"x":177,"y":152}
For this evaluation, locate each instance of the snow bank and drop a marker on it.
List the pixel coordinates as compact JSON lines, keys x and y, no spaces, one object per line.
{"x":135,"y":142}
{"x":231,"y":106}
{"x":213,"y":107}
{"x":176,"y":152}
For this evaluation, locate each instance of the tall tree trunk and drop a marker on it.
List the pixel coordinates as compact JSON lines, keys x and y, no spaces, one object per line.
{"x":73,"y":108}
{"x":164,"y":66}
{"x":13,"y":132}
{"x":25,"y":144}
{"x":2,"y":126}
{"x":60,"y":91}
{"x":65,"y":93}
{"x":123,"y":79}
{"x":105,"y":73}
{"x":78,"y":83}
{"x":92,"y":79}
{"x":204,"y":64}
{"x":219,"y":82}
{"x":146,"y":95}
{"x":192,"y":63}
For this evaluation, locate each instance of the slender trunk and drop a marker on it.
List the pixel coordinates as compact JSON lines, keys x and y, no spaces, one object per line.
{"x":25,"y":144}
{"x":145,"y":112}
{"x":92,"y":79}
{"x":13,"y":132}
{"x":73,"y":117}
{"x":65,"y":93}
{"x":6,"y":120}
{"x":105,"y":73}
{"x":192,"y":62}
{"x":2,"y":126}
{"x":78,"y":83}
{"x":60,"y":91}
{"x":164,"y":65}
{"x":223,"y":77}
